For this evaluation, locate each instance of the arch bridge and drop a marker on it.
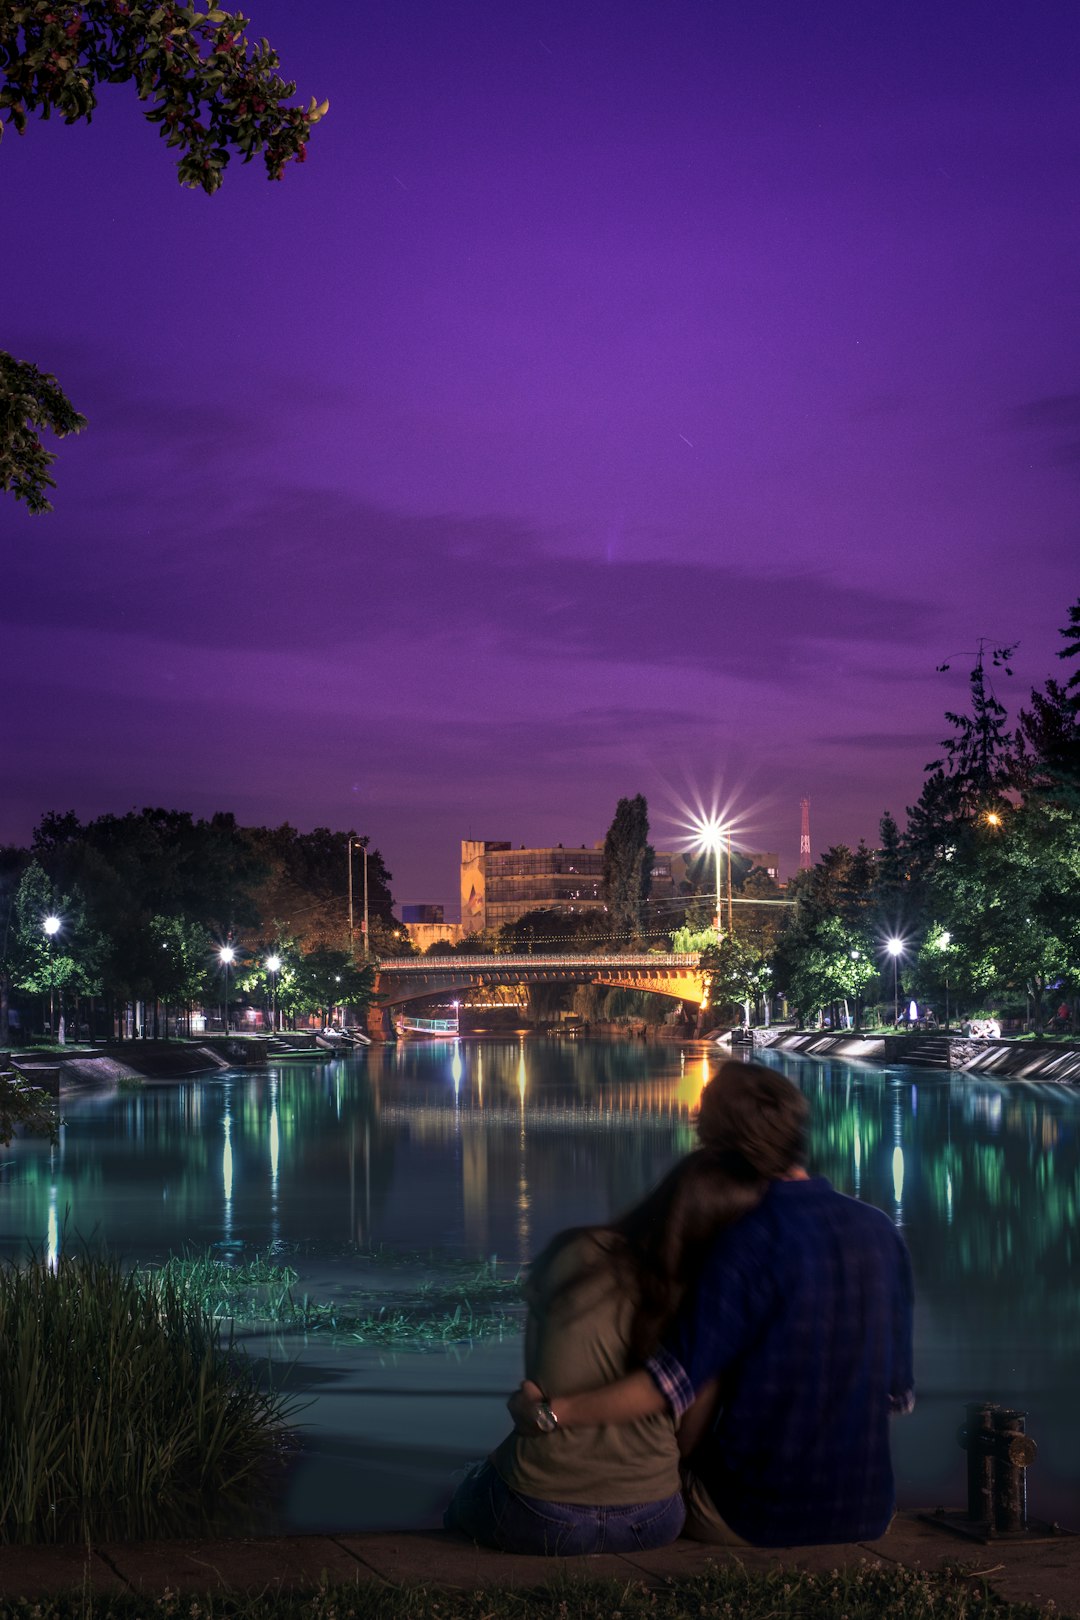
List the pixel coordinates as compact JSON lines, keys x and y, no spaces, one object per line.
{"x":411,"y":978}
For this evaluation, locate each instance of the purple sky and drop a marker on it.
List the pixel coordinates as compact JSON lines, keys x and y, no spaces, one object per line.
{"x":623,"y":397}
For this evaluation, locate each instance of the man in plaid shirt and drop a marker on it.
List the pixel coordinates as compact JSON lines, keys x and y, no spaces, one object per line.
{"x":791,"y":1353}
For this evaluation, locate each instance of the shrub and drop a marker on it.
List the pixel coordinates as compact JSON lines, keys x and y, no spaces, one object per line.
{"x":125,"y":1414}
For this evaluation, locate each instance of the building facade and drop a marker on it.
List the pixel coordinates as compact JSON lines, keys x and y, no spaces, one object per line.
{"x":499,"y":884}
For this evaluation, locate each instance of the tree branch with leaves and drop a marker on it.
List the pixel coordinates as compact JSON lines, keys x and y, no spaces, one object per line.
{"x":214,"y":95}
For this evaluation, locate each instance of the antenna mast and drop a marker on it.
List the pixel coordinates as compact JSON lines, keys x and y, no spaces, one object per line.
{"x":804,"y":837}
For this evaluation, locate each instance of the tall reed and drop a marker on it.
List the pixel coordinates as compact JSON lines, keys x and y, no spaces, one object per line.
{"x":124,"y":1411}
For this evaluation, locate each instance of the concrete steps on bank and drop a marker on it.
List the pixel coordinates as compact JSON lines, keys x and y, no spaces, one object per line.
{"x":919,"y":1051}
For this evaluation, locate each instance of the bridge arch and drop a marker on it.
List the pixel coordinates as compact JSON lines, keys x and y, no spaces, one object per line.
{"x":676,"y":975}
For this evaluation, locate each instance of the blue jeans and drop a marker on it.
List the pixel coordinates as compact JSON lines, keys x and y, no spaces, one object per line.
{"x":486,"y":1510}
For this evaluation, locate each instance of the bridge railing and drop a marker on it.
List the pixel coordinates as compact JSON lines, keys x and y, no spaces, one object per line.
{"x":497,"y":964}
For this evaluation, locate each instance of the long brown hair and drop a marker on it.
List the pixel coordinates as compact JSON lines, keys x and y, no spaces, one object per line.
{"x":657,"y":1249}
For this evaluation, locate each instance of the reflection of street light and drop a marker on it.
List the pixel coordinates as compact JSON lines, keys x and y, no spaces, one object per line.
{"x":51,"y":927}
{"x":273,"y":967}
{"x":225,"y":956}
{"x":895,"y":948}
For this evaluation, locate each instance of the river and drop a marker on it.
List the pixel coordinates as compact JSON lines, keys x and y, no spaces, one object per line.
{"x":485,"y":1148}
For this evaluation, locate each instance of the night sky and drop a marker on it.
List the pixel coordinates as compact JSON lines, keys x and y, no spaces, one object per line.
{"x":632,"y":396}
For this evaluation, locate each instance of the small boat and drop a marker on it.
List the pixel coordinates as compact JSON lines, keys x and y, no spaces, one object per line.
{"x":342,"y":1040}
{"x":439,"y":1029}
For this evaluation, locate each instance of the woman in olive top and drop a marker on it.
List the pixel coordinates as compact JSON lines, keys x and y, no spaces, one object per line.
{"x":599,"y":1299}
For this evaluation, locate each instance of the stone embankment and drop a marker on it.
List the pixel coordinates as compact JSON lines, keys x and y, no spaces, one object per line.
{"x":84,"y":1067}
{"x":1049,"y":1062}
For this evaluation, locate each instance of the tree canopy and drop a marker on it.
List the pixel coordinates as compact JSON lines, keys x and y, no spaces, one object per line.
{"x":628,"y":866}
{"x":146,"y":901}
{"x":213,"y":94}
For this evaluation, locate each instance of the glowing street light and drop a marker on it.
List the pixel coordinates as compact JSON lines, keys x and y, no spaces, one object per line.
{"x":226,"y":955}
{"x":710,"y":836}
{"x":895,"y":948}
{"x":273,"y":967}
{"x":51,"y":927}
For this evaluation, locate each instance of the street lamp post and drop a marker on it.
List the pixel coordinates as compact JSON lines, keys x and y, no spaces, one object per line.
{"x":895,"y":948}
{"x":943,"y":945}
{"x":225,"y":956}
{"x":363,"y":845}
{"x":51,"y":927}
{"x":273,"y":967}
{"x":711,"y":837}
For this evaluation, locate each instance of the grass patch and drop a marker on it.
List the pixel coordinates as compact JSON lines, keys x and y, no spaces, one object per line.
{"x":725,"y":1592}
{"x":125,"y":1414}
{"x":474,"y":1302}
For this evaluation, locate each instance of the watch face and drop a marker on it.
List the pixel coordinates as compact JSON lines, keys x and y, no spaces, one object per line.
{"x":545,"y":1418}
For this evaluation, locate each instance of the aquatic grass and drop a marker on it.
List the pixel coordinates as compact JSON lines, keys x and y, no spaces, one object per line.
{"x":254,"y":1290}
{"x":725,"y":1591}
{"x":476,"y":1303}
{"x":385,"y":1258}
{"x":125,"y":1413}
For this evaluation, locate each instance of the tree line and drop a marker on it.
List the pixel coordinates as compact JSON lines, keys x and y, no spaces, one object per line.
{"x":975,"y":902}
{"x":971,"y":907}
{"x":146,"y":902}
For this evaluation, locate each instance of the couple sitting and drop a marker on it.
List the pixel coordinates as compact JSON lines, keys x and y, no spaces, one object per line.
{"x":723,"y":1359}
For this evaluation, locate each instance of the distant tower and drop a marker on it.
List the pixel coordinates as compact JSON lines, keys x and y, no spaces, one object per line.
{"x":804,"y":837}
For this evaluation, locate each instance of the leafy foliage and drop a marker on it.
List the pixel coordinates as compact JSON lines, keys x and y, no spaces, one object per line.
{"x":213,"y":94}
{"x":547,"y":928}
{"x":977,"y":769}
{"x":31,"y":403}
{"x":147,"y":899}
{"x":308,"y":982}
{"x":1049,"y":732}
{"x":26,"y":1106}
{"x":826,"y":963}
{"x":738,"y":976}
{"x":628,"y":866}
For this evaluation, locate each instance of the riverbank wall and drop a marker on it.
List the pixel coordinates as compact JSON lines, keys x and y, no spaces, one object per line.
{"x":102,"y":1066}
{"x":1049,"y":1062}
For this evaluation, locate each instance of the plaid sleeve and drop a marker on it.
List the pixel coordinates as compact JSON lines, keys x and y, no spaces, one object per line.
{"x":669,"y":1376}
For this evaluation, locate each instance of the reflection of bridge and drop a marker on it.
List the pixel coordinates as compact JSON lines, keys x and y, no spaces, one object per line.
{"x":410,"y":978}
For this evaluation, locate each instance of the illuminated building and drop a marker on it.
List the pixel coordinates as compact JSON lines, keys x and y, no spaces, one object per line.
{"x":499,"y":884}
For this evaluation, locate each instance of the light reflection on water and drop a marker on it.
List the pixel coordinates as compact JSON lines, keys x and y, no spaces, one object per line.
{"x":482,"y":1148}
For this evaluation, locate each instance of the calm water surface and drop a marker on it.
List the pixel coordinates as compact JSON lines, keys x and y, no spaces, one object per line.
{"x":487,"y":1148}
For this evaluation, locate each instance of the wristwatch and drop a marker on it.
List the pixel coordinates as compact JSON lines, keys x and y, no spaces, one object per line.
{"x":544,"y":1417}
